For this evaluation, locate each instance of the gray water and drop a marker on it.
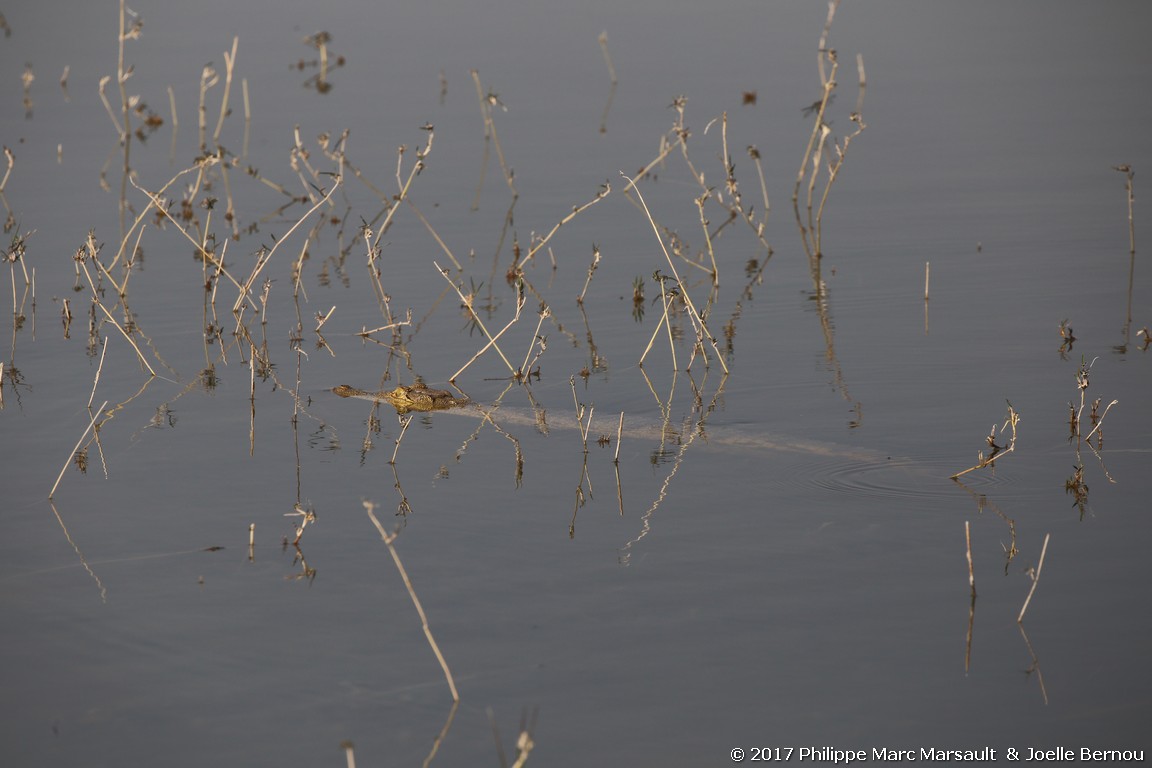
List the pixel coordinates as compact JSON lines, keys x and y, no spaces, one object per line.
{"x":707,"y":591}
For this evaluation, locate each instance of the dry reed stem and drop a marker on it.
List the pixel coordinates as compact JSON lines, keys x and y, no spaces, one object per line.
{"x":1100,"y":420}
{"x":591,"y":271}
{"x":108,"y":105}
{"x":68,"y":461}
{"x":340,"y":153}
{"x":297,"y":159}
{"x":971,"y":572}
{"x":619,"y":434}
{"x":260,"y":264}
{"x":1129,"y":186}
{"x":1035,"y":579}
{"x":1012,"y":421}
{"x":603,"y":192}
{"x":405,"y":186}
{"x":697,"y":321}
{"x":175,"y":121}
{"x":99,"y":368}
{"x":11,"y":159}
{"x":822,"y":48}
{"x":862,"y":81}
{"x":656,"y":331}
{"x":486,"y":103}
{"x":819,"y":129}
{"x":466,"y":302}
{"x":247,"y":116}
{"x":96,"y":301}
{"x":322,"y":319}
{"x":736,"y":208}
{"x":208,"y":79}
{"x":435,"y":235}
{"x":754,"y":153}
{"x":834,"y":168}
{"x":405,"y":421}
{"x":715,"y":274}
{"x":537,"y":339}
{"x":389,"y":539}
{"x":306,"y":516}
{"x":580,"y":425}
{"x":229,"y":65}
{"x":603,"y":40}
{"x":158,"y":203}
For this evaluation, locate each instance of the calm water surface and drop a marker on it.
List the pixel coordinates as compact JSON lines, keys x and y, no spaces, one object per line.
{"x":777,"y":559}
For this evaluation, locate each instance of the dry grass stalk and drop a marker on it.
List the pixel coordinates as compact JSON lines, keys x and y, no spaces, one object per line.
{"x":998,"y":451}
{"x":11,"y":159}
{"x":247,"y":116}
{"x":1130,"y":176}
{"x":619,"y":433}
{"x":261,"y":263}
{"x":175,"y":122}
{"x":99,"y":368}
{"x":158,"y":202}
{"x":307,"y":516}
{"x":817,"y":140}
{"x":1035,"y":579}
{"x":591,"y":271}
{"x":697,"y":321}
{"x":389,"y":540}
{"x":487,"y":101}
{"x":971,"y":572}
{"x":89,"y":251}
{"x":208,"y":79}
{"x":229,"y":65}
{"x":736,"y":207}
{"x":834,"y":170}
{"x":665,"y":322}
{"x":435,"y":235}
{"x":405,"y":421}
{"x":603,"y":40}
{"x":539,"y":343}
{"x":581,"y":425}
{"x":1083,"y":375}
{"x":466,"y":302}
{"x":63,"y":469}
{"x":405,"y":185}
{"x":518,"y":266}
